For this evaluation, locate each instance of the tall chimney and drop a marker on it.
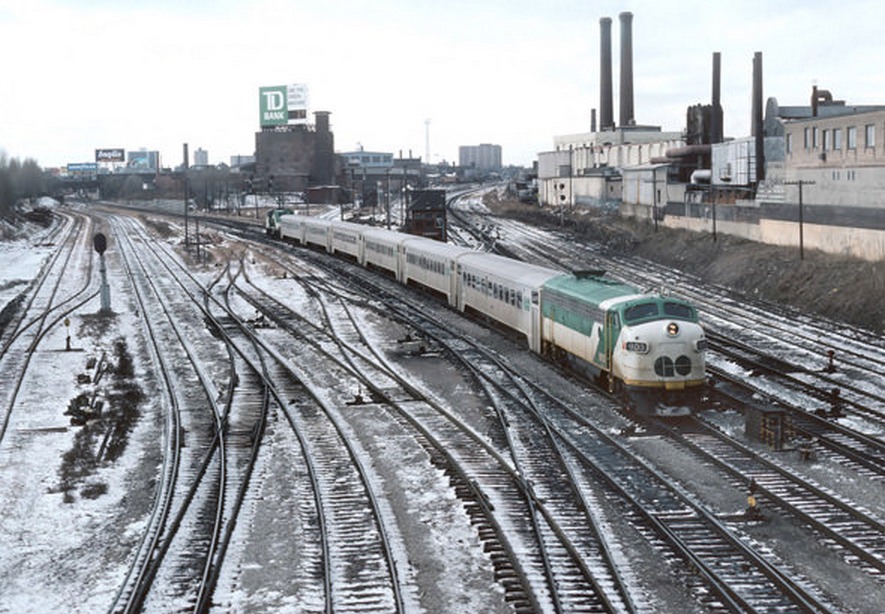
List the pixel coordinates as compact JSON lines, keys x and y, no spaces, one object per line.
{"x":627,"y":118}
{"x":592,"y":120}
{"x":757,"y":122}
{"x":606,"y":110}
{"x":716,"y":130}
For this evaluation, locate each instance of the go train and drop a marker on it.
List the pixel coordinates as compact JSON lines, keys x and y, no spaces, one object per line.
{"x":648,"y":348}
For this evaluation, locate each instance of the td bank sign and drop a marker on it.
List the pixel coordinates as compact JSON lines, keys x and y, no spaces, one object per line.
{"x":283,"y":104}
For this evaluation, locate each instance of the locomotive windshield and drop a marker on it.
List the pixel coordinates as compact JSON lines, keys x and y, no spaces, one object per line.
{"x":651,"y":310}
{"x":642,"y":311}
{"x":679,"y":310}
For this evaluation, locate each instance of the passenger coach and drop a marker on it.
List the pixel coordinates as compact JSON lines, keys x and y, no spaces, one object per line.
{"x":505,"y":290}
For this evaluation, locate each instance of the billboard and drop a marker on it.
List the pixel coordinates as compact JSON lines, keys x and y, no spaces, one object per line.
{"x":79,"y":168}
{"x":283,"y":105}
{"x":110,"y":155}
{"x":143,"y":161}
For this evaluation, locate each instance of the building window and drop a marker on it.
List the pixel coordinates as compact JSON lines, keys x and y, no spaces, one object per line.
{"x":837,"y":139}
{"x":815,"y":137}
{"x":789,"y":143}
{"x":870,"y":136}
{"x":851,"y":134}
{"x":826,"y":140}
{"x":807,"y":138}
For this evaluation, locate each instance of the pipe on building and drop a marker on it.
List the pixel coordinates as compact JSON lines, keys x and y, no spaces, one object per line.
{"x":701,"y":175}
{"x":817,"y":97}
{"x":757,"y":120}
{"x":606,"y":107}
{"x":688,"y":151}
{"x":716,"y":130}
{"x":627,"y":117}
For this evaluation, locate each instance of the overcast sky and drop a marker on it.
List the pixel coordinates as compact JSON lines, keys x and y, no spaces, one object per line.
{"x":84,"y":74}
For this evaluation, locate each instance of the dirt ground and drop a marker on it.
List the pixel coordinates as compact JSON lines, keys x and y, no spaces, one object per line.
{"x":843,"y":289}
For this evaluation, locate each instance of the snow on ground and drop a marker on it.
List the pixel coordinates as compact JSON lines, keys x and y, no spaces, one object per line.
{"x":49,"y":560}
{"x":21,"y":260}
{"x":66,"y":546}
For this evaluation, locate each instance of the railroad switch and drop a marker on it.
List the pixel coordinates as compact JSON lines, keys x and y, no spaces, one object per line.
{"x":831,"y":362}
{"x":806,"y":449}
{"x":836,"y":409}
{"x":357,"y":398}
{"x":753,"y":512}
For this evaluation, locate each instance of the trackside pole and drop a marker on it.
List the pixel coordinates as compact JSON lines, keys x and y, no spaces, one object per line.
{"x":100,"y":242}
{"x":105,"y":288}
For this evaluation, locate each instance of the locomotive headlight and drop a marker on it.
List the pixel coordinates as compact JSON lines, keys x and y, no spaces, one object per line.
{"x":640,"y":347}
{"x":672,"y":329}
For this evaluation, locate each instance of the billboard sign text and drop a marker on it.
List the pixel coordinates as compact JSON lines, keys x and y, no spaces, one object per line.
{"x":283,"y":105}
{"x":110,"y":155}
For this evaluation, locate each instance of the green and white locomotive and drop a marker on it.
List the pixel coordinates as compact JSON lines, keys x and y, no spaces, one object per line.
{"x":649,"y":347}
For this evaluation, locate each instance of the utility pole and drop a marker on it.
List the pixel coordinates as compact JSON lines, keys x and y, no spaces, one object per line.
{"x":800,"y":183}
{"x":713,"y":198}
{"x":187,"y":244}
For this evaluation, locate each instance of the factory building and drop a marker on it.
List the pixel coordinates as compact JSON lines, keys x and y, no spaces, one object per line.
{"x":296,"y":157}
{"x":585,"y":169}
{"x":808,"y":176}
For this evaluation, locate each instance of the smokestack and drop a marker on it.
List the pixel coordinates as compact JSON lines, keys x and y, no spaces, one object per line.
{"x":627,"y":118}
{"x":716,"y":130}
{"x":757,"y":122}
{"x":592,"y":120}
{"x":606,"y":110}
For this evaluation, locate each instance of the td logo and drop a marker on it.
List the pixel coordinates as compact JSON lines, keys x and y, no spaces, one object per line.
{"x":273,"y":106}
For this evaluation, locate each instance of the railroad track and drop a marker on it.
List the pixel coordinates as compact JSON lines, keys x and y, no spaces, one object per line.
{"x":490,"y":477}
{"x":351,"y":531}
{"x":180,"y":463}
{"x":799,"y":598}
{"x":813,"y":432}
{"x":727,"y":567}
{"x":859,"y":532}
{"x":43,"y":308}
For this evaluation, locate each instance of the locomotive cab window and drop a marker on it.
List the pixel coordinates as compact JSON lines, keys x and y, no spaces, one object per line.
{"x":640,"y":312}
{"x":679,"y":310}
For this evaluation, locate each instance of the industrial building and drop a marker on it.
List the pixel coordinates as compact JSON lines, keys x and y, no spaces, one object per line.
{"x":808,"y":176}
{"x":297,"y":156}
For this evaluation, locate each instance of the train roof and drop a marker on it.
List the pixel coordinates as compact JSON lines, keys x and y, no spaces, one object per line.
{"x":436,"y":248}
{"x":592,"y":289}
{"x":292,"y":219}
{"x":524,"y":272}
{"x":383,"y":234}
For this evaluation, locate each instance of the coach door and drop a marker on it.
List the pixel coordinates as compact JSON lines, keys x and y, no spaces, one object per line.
{"x":610,"y":336}
{"x":535,"y":315}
